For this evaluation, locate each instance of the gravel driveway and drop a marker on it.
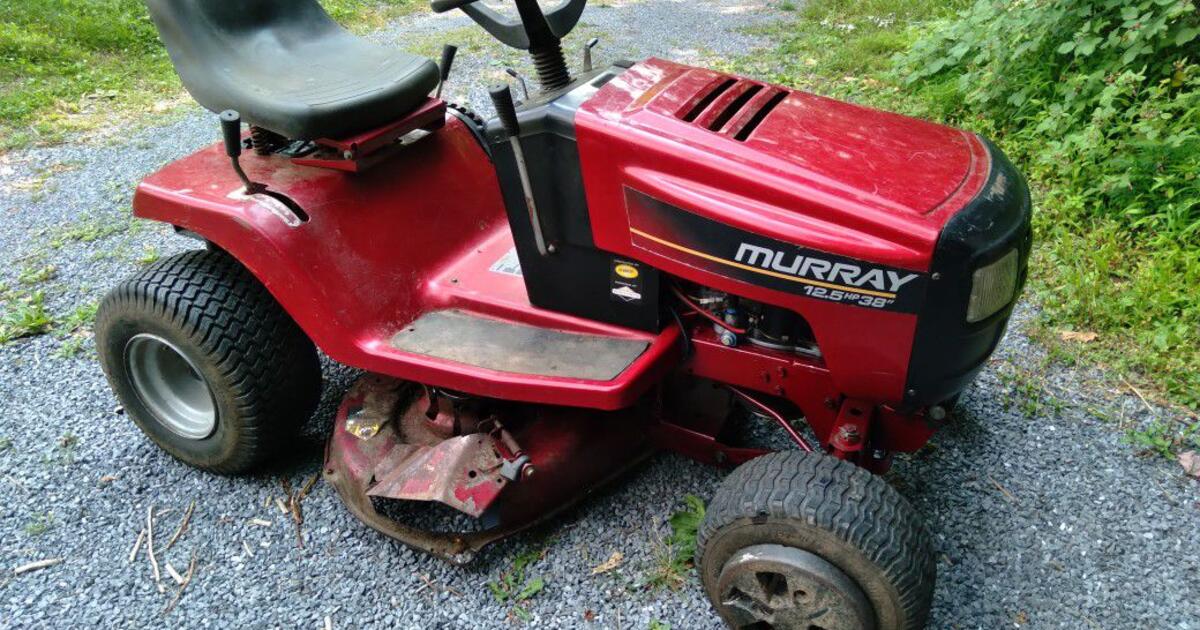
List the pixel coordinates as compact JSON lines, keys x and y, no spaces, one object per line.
{"x":1042,"y":516}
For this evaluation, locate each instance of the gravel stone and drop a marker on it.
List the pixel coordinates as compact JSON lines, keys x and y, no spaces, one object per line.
{"x":1043,"y":517}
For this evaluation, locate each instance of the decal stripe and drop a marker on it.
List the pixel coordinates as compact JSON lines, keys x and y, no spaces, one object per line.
{"x":759,"y":270}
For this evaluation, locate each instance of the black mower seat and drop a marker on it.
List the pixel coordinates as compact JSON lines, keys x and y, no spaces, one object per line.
{"x":285,"y":65}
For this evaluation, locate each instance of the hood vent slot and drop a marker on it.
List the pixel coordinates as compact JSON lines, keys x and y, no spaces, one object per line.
{"x":743,"y":134}
{"x":748,"y":92}
{"x":732,"y":107}
{"x":714,"y":91}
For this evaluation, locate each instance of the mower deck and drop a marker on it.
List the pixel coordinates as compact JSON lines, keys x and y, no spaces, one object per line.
{"x":394,"y":440}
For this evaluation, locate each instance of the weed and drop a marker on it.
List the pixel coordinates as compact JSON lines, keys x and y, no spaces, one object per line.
{"x":40,"y":524}
{"x":79,"y":319}
{"x":37,"y":274}
{"x":89,"y":230}
{"x":25,"y":317}
{"x":658,"y":625}
{"x":71,"y":347}
{"x":65,"y":450}
{"x":149,"y":256}
{"x":515,"y":587}
{"x":1026,"y":392}
{"x":675,"y":559}
{"x":5,"y":443}
{"x":1165,"y":439}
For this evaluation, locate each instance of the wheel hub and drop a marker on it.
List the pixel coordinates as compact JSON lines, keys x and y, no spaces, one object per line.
{"x":171,"y":387}
{"x":774,"y":586}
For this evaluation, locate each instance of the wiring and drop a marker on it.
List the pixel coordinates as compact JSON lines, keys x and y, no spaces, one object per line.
{"x":687,"y":341}
{"x":699,"y":310}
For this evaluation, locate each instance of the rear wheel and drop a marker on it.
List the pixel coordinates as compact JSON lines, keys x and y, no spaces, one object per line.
{"x":804,"y":541}
{"x":205,"y":361}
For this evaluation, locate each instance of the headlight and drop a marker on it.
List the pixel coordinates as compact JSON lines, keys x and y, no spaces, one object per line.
{"x":992,"y":287}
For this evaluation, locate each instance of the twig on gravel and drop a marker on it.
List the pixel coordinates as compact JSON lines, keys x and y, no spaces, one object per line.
{"x":187,"y":579}
{"x":150,"y":547}
{"x":247,"y":548}
{"x":293,"y":504}
{"x":279,"y":504}
{"x":174,"y":574}
{"x":187,"y":516}
{"x":433,"y":586}
{"x":1139,"y":394}
{"x":308,"y":485}
{"x":34,"y":566}
{"x":1007,"y":495}
{"x":137,"y":546}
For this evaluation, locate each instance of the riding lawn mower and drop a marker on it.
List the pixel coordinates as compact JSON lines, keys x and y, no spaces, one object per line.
{"x":634,"y":257}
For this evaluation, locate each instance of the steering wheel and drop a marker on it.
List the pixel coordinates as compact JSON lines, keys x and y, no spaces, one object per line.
{"x":530,"y":30}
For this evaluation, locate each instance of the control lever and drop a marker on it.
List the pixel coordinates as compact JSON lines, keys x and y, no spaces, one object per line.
{"x":517,"y":75}
{"x":448,"y":52}
{"x":587,"y":53}
{"x":507,"y":111}
{"x":231,"y":130}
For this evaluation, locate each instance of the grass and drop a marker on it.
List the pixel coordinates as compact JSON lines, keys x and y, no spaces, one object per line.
{"x":515,"y":587}
{"x":1165,"y":438}
{"x":25,"y":317}
{"x":70,"y":66}
{"x":1089,"y":271}
{"x":40,"y":524}
{"x":674,"y":561}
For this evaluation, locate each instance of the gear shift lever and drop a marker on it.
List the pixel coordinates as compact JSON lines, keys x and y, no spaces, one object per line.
{"x":231,"y":131}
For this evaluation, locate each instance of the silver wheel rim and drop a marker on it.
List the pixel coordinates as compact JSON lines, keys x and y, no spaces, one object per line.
{"x":774,"y":586}
{"x":171,"y":387}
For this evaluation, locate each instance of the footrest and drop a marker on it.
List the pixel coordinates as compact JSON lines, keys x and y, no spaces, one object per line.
{"x":505,"y":346}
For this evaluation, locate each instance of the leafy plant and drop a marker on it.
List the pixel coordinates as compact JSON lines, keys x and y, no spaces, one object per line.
{"x":25,"y":317}
{"x":37,"y":274}
{"x":679,"y":550}
{"x":514,"y":585}
{"x":1099,"y":101}
{"x":1165,"y":438}
{"x":40,"y":524}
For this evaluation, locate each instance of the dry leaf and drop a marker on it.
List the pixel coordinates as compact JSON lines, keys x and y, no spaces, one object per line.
{"x":1079,"y":336}
{"x":613,"y":562}
{"x":1190,"y":460}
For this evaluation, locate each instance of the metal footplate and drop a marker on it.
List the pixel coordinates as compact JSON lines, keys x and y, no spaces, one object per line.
{"x":395,"y":440}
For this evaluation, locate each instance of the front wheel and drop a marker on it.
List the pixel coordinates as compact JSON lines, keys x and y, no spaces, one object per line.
{"x":804,"y":541}
{"x":205,"y":361}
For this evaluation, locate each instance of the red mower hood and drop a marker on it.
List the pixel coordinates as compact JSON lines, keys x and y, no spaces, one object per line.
{"x":799,"y":167}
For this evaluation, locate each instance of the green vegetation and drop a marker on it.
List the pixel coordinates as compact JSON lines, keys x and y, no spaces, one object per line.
{"x":673,"y":563}
{"x":515,"y":587}
{"x":1165,"y":438}
{"x":36,"y":274}
{"x":25,"y":317}
{"x":1098,"y":102}
{"x":40,"y":524}
{"x":75,"y":65}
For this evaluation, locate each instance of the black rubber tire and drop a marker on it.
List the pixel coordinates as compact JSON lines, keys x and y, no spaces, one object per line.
{"x":831,"y":508}
{"x":263,"y":371}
